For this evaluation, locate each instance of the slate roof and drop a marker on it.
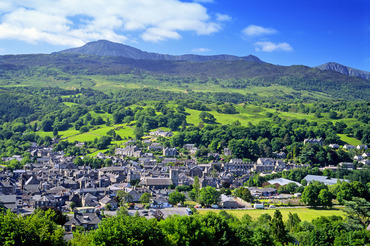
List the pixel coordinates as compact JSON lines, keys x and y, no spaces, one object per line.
{"x":158,"y":181}
{"x":84,"y":218}
{"x":282,"y":181}
{"x":322,"y":179}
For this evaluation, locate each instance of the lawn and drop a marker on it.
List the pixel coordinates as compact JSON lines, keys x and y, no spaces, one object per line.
{"x":44,"y":134}
{"x":68,"y":133}
{"x":349,"y":140}
{"x":72,"y":135}
{"x":303,"y":213}
{"x":255,"y":114}
{"x":70,"y":104}
{"x":244,"y":118}
{"x":82,"y":137}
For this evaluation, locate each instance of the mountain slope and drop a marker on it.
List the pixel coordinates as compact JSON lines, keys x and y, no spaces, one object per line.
{"x":333,"y":66}
{"x":109,"y":72}
{"x":107,"y":48}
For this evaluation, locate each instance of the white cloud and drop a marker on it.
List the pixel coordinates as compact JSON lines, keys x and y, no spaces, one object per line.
{"x":200,"y":50}
{"x":253,"y":31}
{"x":158,"y":34}
{"x":74,"y":22}
{"x":270,"y":47}
{"x":222,"y":17}
{"x":204,"y":1}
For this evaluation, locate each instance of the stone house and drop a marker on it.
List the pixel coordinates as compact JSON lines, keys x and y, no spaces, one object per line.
{"x":89,"y":221}
{"x":169,"y":152}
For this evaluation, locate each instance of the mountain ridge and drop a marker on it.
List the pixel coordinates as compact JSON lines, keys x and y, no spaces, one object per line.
{"x":80,"y":70}
{"x":333,"y":66}
{"x":108,"y":48}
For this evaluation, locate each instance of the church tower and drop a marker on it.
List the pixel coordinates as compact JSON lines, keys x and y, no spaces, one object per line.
{"x":174,"y":176}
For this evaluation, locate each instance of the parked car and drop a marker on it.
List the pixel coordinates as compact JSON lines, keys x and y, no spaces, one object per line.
{"x":214,"y":206}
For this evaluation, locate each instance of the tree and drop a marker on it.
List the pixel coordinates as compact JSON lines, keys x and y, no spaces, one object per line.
{"x":196,"y":187}
{"x":325,"y":198}
{"x":332,"y":114}
{"x":244,"y":194}
{"x":186,"y":230}
{"x":278,"y":229}
{"x":345,"y":193}
{"x":123,"y":197}
{"x":293,"y":222}
{"x":358,"y":211}
{"x":55,"y":132}
{"x":291,"y":187}
{"x":47,"y":125}
{"x":103,"y":142}
{"x":261,"y":237}
{"x":36,"y":229}
{"x":139,"y":133}
{"x":128,"y":230}
{"x":207,"y":117}
{"x":310,"y":195}
{"x":72,"y":205}
{"x":52,"y":213}
{"x":176,"y":197}
{"x":209,"y":195}
{"x":145,"y":198}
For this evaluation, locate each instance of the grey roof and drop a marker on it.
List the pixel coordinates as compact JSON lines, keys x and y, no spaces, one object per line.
{"x":282,"y":181}
{"x":158,"y":181}
{"x":225,"y":198}
{"x":323,"y":179}
{"x":106,"y":200}
{"x":84,"y":218}
{"x":8,"y":199}
{"x":32,"y":181}
{"x":32,"y":188}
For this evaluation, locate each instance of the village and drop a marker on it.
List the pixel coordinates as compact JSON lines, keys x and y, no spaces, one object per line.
{"x":54,"y":180}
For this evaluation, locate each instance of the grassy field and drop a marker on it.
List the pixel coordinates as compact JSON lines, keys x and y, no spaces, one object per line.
{"x":70,"y":104}
{"x":73,"y":135}
{"x":116,"y":82}
{"x":255,"y":114}
{"x":349,"y":140}
{"x":303,"y":213}
{"x":247,"y":114}
{"x":83,"y":137}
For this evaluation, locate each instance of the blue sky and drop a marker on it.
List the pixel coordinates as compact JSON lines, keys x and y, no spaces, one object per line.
{"x":284,"y":32}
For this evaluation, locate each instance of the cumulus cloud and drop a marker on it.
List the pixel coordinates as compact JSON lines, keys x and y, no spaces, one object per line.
{"x":270,"y":46}
{"x":75,"y":22}
{"x":222,"y":17}
{"x":254,"y":31}
{"x":204,"y":1}
{"x":200,"y":50}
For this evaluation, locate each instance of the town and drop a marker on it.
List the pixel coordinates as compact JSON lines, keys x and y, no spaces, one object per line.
{"x":54,"y":180}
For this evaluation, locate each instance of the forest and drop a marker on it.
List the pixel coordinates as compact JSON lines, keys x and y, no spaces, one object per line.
{"x":43,"y":228}
{"x":250,"y":126}
{"x":28,"y":114}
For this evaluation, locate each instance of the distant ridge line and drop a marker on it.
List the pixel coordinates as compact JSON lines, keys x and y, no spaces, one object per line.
{"x":108,"y":48}
{"x":333,"y":66}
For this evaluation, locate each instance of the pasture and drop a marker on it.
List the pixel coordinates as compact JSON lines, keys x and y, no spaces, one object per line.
{"x":307,"y":214}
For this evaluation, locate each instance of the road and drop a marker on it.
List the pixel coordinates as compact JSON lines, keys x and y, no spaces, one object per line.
{"x":166,"y":212}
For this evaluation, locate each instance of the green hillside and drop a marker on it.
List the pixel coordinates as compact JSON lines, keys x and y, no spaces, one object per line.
{"x":245,"y":77}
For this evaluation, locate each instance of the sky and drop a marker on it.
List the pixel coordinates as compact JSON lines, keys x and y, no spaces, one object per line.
{"x":284,"y":32}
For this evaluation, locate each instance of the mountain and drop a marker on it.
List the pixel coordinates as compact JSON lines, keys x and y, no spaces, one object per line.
{"x":117,"y":72}
{"x":107,"y":48}
{"x":344,"y":70}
